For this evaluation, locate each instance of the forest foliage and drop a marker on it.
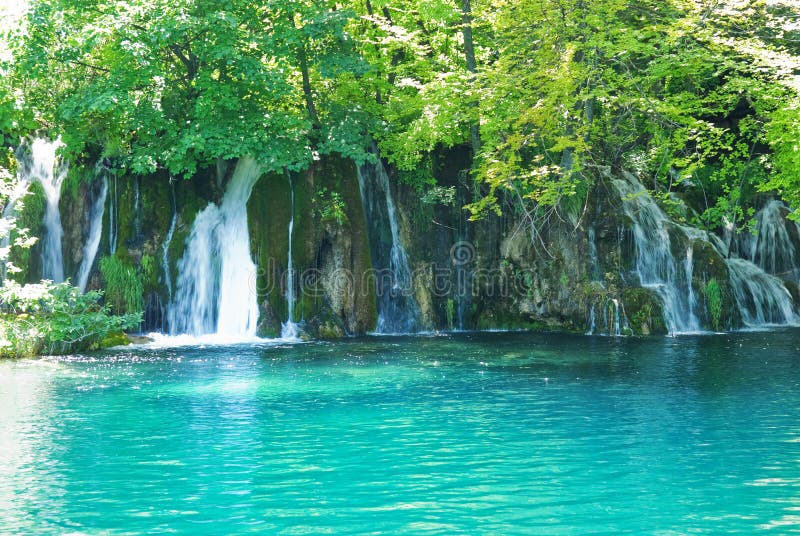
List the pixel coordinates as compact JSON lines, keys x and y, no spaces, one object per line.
{"x":547,"y":93}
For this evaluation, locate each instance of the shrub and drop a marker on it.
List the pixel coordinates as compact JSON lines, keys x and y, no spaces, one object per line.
{"x":50,"y":318}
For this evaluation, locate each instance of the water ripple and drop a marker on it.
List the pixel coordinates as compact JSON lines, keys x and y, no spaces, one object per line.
{"x":474,"y":434}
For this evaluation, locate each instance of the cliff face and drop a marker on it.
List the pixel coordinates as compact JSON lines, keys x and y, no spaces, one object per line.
{"x":618,"y":265}
{"x":328,"y":251}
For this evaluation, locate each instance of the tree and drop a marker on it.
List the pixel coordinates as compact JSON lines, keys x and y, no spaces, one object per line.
{"x":159,"y":84}
{"x":666,"y":90}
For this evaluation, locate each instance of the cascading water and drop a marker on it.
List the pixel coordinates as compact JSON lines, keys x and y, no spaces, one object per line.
{"x":162,"y":308}
{"x":655,"y":265}
{"x":398,"y":311}
{"x":688,"y":270}
{"x":216,"y":287}
{"x":773,"y":247}
{"x":112,"y":219}
{"x":613,"y":319}
{"x":167,"y":241}
{"x":617,"y":318}
{"x":762,"y":298}
{"x":614,"y":322}
{"x":462,"y":253}
{"x":95,"y":231}
{"x":593,"y":256}
{"x":40,"y":162}
{"x":289,"y":329}
{"x":137,"y":207}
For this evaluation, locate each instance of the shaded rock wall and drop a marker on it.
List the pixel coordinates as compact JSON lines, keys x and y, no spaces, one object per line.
{"x":576,"y":272}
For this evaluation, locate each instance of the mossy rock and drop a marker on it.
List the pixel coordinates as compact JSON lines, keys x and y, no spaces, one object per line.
{"x":117,"y":338}
{"x":644,"y":311}
{"x":269,"y":325}
{"x":719,"y":310}
{"x":503,"y":319}
{"x":325,"y":325}
{"x":269,"y":213}
{"x":28,"y":260}
{"x":708,"y":262}
{"x":330,"y":331}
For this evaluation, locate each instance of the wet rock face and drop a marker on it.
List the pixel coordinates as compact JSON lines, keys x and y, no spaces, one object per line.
{"x":331,"y":257}
{"x":623,"y":267}
{"x":579,"y":273}
{"x":646,"y":316}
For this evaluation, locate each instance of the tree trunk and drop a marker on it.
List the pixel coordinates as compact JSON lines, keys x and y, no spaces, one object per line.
{"x":472,"y":68}
{"x":310,"y":108}
{"x":302,"y":57}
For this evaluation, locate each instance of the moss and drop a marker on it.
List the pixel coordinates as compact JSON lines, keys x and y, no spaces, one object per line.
{"x":149,"y":273}
{"x":268,"y":219}
{"x":117,"y":338}
{"x":341,"y":176}
{"x":503,"y":319}
{"x":450,"y":313}
{"x":269,"y":213}
{"x":156,"y":210}
{"x":329,"y":330}
{"x":645,"y":311}
{"x":77,"y":175}
{"x":29,"y":217}
{"x":710,"y":266}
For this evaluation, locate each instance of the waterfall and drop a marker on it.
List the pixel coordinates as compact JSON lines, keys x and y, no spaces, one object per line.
{"x":655,"y":265}
{"x":463,"y":264}
{"x":772,"y":247}
{"x":688,"y":270}
{"x":289,"y":329}
{"x":617,"y":318}
{"x":137,"y":208}
{"x":112,"y":220}
{"x":167,"y":241}
{"x":216,"y":287}
{"x":614,"y":321}
{"x":593,"y":256}
{"x":614,"y":324}
{"x":39,"y":161}
{"x":95,"y":232}
{"x":398,"y":311}
{"x":762,"y":298}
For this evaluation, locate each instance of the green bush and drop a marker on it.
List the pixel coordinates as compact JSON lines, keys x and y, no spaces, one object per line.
{"x":49,"y":318}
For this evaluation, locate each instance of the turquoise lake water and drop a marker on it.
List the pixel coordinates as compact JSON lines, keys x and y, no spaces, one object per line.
{"x":459,"y":434}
